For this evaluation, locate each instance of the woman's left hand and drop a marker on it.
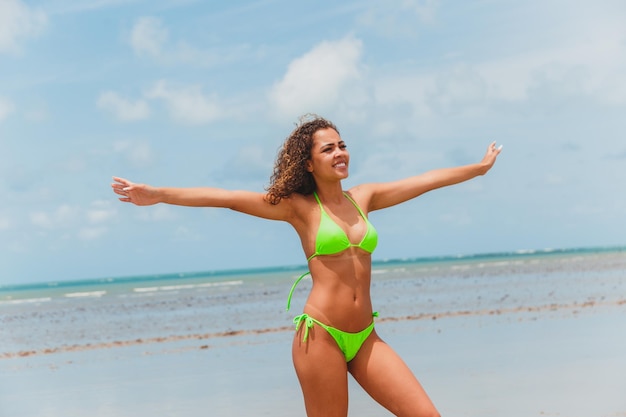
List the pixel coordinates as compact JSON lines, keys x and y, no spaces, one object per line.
{"x":490,"y":157}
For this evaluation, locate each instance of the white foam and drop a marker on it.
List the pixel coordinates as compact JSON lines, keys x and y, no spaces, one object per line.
{"x":86,"y":294}
{"x":186,"y":286}
{"x":27,"y":300}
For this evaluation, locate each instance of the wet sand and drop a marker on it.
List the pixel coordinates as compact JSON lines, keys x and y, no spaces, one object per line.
{"x":573,"y":308}
{"x":562,"y":362}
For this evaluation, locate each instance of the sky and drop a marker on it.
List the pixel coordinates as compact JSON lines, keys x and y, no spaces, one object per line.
{"x":197,"y":93}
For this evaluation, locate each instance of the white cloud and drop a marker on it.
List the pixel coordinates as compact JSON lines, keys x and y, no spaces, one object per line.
{"x":122,"y":108}
{"x":18,"y":21}
{"x":456,"y":88}
{"x":100,"y":211}
{"x":148,"y":36}
{"x":6,"y":108}
{"x":187,"y":105}
{"x":91,"y":233}
{"x":75,"y":164}
{"x":314,"y":81}
{"x":186,"y":54}
{"x":400,"y":89}
{"x":593,"y":67}
{"x":63,"y":216}
{"x":511,"y":78}
{"x":398,"y":17}
{"x":65,"y":7}
{"x":249,"y":163}
{"x":183,"y":233}
{"x":386,"y":165}
{"x":156,"y":213}
{"x":139,"y":154}
{"x":584,"y":55}
{"x":67,"y":221}
{"x":425,"y":10}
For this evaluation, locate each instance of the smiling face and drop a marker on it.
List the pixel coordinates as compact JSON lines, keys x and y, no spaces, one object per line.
{"x":329,"y":156}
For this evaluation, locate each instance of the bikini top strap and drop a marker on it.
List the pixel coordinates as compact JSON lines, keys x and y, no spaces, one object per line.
{"x":355,"y":205}
{"x":293,"y":287}
{"x":319,"y":202}
{"x":318,"y":199}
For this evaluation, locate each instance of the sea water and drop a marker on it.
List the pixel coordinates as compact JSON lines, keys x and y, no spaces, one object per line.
{"x":120,"y":311}
{"x":534,"y":333}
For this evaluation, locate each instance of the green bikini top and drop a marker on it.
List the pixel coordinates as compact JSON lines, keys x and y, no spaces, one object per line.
{"x":331,"y":239}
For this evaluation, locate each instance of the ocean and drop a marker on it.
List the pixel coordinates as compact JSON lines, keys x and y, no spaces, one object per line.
{"x":234,"y":324}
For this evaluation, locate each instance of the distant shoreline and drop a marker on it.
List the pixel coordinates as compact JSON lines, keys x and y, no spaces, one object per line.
{"x":288,"y":269}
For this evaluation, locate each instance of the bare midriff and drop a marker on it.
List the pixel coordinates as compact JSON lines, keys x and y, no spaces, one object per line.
{"x":340,"y":296}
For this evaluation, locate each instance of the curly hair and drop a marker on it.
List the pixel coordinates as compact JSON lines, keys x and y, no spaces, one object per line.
{"x":290,"y":174}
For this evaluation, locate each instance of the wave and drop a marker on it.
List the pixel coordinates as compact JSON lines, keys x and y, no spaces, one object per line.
{"x":495,"y":256}
{"x":187,"y":286}
{"x":85,"y":294}
{"x":27,"y":300}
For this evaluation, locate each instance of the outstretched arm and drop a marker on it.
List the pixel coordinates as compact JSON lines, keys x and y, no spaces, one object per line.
{"x":243,"y":201}
{"x":388,"y":194}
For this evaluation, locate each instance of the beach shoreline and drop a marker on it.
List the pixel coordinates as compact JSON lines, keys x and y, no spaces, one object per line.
{"x":489,"y":337}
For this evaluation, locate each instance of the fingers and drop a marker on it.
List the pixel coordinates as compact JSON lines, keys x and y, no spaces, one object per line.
{"x":493,"y":148}
{"x":120,"y":191}
{"x":492,"y":154}
{"x":121,"y":183}
{"x":119,"y":188}
{"x":122,"y":187}
{"x":125,"y":197}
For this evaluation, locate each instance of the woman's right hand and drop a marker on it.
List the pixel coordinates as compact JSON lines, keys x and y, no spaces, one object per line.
{"x":138,"y":194}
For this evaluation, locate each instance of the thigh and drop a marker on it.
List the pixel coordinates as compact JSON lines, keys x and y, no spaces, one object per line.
{"x":389,"y":381}
{"x":322,"y":372}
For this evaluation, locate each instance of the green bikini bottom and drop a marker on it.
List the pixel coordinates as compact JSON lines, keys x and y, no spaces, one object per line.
{"x":349,"y":343}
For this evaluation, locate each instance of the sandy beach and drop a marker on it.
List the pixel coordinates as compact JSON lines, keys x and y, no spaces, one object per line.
{"x":516,"y":337}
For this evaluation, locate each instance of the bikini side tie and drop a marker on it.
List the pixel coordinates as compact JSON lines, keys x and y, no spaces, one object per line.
{"x":308,"y":322}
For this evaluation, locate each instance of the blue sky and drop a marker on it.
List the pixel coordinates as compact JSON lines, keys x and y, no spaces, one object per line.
{"x":191,"y":93}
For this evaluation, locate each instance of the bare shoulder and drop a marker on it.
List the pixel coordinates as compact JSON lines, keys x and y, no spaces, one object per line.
{"x":257,"y":204}
{"x":299,"y":205}
{"x":379,"y":195}
{"x":294,"y":209}
{"x":362,"y":195}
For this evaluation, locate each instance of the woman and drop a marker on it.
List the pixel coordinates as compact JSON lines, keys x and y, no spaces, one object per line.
{"x":335,"y":334}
